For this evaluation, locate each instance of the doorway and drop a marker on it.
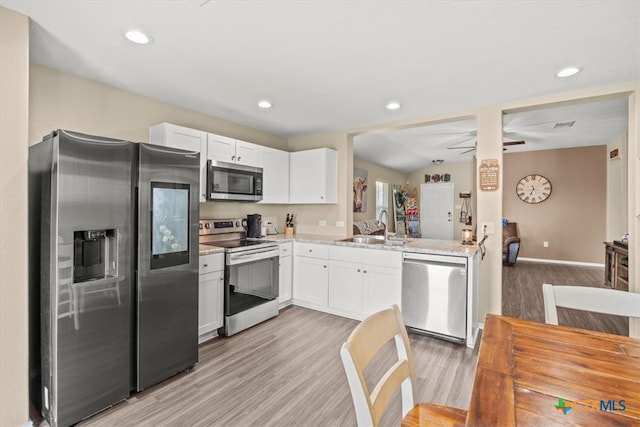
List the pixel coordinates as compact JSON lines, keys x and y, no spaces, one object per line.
{"x":436,"y":211}
{"x":561,"y":236}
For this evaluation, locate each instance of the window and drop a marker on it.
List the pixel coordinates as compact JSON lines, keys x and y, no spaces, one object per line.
{"x":382,"y":200}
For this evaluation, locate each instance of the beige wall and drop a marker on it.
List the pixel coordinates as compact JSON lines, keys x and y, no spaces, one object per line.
{"x":14,"y":119}
{"x":62,"y":100}
{"x":617,"y":184}
{"x":462,"y":179}
{"x":572,"y":219}
{"x":377,"y":173}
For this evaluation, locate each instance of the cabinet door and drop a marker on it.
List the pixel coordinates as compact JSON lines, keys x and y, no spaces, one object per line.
{"x":345,"y":287}
{"x":382,"y":287}
{"x":221,"y":148}
{"x":313,"y":176}
{"x":275,"y":173}
{"x":306,"y":181}
{"x":185,"y":139}
{"x":310,"y":281}
{"x":210,"y":299}
{"x":247,"y":153}
{"x":285,"y":279}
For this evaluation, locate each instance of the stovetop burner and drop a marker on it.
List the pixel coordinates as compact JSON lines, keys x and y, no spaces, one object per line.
{"x":229,"y":234}
{"x":241,"y":243}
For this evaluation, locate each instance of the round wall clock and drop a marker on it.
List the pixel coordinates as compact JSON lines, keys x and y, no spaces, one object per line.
{"x":533,"y":189}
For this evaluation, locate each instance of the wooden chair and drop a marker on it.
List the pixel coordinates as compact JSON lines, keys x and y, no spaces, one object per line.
{"x":599,"y":300}
{"x":363,"y":344}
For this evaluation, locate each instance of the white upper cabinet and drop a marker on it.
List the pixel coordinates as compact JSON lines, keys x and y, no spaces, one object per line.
{"x":225,"y":149}
{"x":184,"y":138}
{"x":275,"y":175}
{"x":313,"y":176}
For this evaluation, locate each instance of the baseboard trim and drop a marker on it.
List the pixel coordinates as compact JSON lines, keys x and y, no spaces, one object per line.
{"x":560,"y":261}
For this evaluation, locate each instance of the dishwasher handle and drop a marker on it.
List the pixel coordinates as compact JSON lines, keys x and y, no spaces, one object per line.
{"x":417,"y":258}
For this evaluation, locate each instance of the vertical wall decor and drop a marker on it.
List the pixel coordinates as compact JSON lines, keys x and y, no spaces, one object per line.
{"x":359,"y":190}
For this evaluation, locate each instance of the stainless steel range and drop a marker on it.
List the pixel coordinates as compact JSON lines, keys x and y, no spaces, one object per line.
{"x":250,"y":273}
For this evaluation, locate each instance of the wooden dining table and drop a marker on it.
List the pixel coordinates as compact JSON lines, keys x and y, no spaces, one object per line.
{"x":535,"y":374}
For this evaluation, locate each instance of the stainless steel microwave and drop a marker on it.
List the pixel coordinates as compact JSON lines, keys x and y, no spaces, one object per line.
{"x":233,"y":182}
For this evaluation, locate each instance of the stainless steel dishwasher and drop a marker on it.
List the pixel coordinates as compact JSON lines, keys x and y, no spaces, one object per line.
{"x":434,"y":295}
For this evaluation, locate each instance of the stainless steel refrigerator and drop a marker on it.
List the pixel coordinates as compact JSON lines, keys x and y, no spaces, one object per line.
{"x":113,"y":241}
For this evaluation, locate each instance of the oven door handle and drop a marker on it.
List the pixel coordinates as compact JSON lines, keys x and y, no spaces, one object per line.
{"x":253,"y":255}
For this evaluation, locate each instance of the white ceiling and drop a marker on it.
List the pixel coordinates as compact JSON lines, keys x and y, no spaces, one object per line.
{"x":333,"y":65}
{"x":410,"y":149}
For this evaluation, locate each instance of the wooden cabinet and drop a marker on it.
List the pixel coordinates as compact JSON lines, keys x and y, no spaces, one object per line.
{"x":225,"y":149}
{"x":313,"y":176}
{"x":285,"y":274}
{"x":363,"y":281}
{"x":211,"y":296}
{"x":275,"y":175}
{"x":310,"y":275}
{"x":183,"y":138}
{"x":616,"y":272}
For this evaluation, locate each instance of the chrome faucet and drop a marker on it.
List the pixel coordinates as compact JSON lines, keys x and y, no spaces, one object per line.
{"x":386,"y":227}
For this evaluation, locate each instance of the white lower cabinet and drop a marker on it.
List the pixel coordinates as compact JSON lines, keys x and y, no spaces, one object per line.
{"x":211,"y":296}
{"x":285,"y":274}
{"x":345,"y":287}
{"x":363,"y":281}
{"x":310,"y":275}
{"x":382,"y":287}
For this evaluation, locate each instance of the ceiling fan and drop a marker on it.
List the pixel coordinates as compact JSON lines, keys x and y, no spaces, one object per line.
{"x":470,"y":149}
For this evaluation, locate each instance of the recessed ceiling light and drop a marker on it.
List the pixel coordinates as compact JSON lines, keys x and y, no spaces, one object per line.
{"x":437,"y":162}
{"x":264,"y":104}
{"x":393,"y":105}
{"x":568,"y":72}
{"x":138,"y":37}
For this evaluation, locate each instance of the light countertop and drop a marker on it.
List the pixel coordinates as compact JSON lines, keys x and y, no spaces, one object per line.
{"x":427,"y":246}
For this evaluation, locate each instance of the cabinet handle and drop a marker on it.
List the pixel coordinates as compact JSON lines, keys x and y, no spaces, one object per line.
{"x":364,"y":271}
{"x":310,"y":250}
{"x":324,"y":266}
{"x":222,"y":278}
{"x":238,"y":158}
{"x":206,"y":265}
{"x":233,"y":157}
{"x":321,"y":197}
{"x":358,"y":270}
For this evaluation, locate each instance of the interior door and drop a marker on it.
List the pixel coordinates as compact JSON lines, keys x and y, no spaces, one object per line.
{"x":436,"y":211}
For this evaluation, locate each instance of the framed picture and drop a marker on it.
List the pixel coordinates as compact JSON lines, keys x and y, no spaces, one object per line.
{"x":359,"y":190}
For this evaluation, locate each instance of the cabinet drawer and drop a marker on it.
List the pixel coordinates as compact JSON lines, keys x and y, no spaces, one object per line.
{"x":210,"y":263}
{"x":380,"y":257}
{"x":286,"y":249}
{"x":311,"y":250}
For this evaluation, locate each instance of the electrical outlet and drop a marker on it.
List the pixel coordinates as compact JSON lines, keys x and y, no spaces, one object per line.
{"x":322,"y":223}
{"x":487,"y":228}
{"x":545,"y":244}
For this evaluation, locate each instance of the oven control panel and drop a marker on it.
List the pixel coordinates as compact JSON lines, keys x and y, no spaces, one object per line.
{"x":221,"y":226}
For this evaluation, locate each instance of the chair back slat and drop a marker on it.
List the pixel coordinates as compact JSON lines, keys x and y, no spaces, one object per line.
{"x":599,"y":300}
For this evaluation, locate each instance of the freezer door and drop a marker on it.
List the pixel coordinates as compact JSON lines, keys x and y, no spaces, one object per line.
{"x":86,"y":323}
{"x":434,"y":297}
{"x":167,"y":277}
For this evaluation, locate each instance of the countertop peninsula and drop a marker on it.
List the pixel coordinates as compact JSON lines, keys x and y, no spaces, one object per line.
{"x":415,"y":245}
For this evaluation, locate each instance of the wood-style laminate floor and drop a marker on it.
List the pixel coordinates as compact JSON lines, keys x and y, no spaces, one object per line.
{"x":287,"y":372}
{"x":522,"y":295}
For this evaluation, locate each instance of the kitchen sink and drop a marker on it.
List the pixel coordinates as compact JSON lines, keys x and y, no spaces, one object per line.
{"x":374,"y":240}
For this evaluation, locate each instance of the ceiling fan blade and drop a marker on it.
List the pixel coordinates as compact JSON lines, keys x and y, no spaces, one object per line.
{"x":508,"y":143}
{"x":457,"y":148}
{"x":468,"y":151}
